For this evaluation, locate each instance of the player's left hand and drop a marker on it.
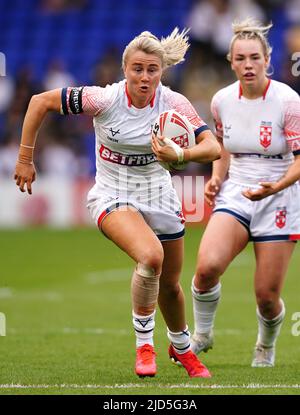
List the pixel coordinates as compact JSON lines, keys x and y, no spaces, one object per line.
{"x":266,"y":189}
{"x":163,"y":152}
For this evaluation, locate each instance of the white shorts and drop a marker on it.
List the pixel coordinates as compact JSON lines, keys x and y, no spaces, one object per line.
{"x":163,"y":213}
{"x":275,"y":218}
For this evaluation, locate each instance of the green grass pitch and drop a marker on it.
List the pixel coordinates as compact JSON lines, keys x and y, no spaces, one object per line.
{"x":65,"y":295}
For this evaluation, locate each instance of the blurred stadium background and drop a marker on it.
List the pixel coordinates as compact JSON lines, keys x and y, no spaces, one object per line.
{"x":57,"y":288}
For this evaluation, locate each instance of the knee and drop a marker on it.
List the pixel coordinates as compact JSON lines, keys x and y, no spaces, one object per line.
{"x":208,"y":271}
{"x":169,"y":289}
{"x":153,"y":258}
{"x":266,"y":300}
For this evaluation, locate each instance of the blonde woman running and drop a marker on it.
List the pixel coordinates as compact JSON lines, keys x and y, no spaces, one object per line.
{"x":133,"y":202}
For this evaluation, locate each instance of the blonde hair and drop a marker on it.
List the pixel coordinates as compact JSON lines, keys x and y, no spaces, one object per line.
{"x":251,"y":29}
{"x":171,"y":50}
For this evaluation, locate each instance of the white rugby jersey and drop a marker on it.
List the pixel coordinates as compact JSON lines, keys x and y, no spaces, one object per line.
{"x":261,"y":134}
{"x":124,"y":158}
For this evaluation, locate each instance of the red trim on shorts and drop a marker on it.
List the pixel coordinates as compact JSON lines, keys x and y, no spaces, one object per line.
{"x":294,"y":237}
{"x":111,"y":208}
{"x":102,"y":216}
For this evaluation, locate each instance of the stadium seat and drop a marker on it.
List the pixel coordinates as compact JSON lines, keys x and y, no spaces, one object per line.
{"x":31,"y":34}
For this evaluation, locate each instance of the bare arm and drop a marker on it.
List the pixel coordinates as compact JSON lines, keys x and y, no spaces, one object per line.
{"x":269,"y":188}
{"x":38,"y":107}
{"x":221,"y":166}
{"x":292,"y":175}
{"x":206,"y":150}
{"x":219,"y":172}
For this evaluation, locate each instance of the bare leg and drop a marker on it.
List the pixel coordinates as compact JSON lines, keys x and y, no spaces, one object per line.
{"x":171,"y":297}
{"x":128,"y":230}
{"x":272,"y":260}
{"x":223,"y":239}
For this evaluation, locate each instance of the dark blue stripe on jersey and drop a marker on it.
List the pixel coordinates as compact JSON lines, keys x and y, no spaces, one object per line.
{"x":271,"y":238}
{"x":64,"y":101}
{"x":296,"y":153}
{"x":170,"y":236}
{"x":243,"y":221}
{"x":200,"y":130}
{"x":265,"y":156}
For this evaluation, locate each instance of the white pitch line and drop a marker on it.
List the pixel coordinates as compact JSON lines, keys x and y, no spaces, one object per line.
{"x":159,"y":386}
{"x":8,"y":293}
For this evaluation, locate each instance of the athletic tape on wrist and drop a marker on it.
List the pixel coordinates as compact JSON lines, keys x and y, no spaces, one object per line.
{"x":178,"y":150}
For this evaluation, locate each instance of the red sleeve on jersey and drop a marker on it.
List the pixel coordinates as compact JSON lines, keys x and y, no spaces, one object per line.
{"x":94,"y":100}
{"x":292,"y":124}
{"x":217,"y":119}
{"x":90,"y":100}
{"x":181,"y":104}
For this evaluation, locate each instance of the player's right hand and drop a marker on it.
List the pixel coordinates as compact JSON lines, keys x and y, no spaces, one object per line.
{"x":25,"y":174}
{"x":211,"y":189}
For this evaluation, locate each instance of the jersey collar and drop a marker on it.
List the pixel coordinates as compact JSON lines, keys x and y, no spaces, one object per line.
{"x":264,"y":93}
{"x":129,"y":100}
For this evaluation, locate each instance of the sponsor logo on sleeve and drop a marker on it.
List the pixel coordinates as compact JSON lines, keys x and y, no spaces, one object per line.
{"x":75,"y":100}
